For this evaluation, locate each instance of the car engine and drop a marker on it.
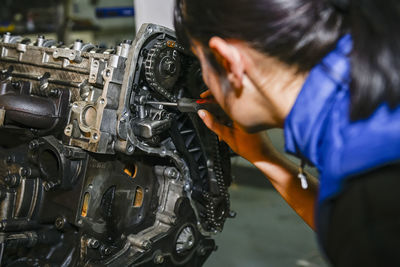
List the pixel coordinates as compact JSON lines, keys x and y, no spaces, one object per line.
{"x":93,"y":172}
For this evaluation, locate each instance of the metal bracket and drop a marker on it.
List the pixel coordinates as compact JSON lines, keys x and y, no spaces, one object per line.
{"x":71,"y":55}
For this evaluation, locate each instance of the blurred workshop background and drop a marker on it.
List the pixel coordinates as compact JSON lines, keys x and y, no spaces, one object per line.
{"x":265,"y":232}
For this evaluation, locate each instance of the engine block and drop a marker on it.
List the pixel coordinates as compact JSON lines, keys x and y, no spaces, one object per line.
{"x":92,"y":172}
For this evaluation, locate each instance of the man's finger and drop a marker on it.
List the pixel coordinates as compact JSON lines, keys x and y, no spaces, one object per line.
{"x":223,"y":132}
{"x":206,"y":94}
{"x":210,"y":121}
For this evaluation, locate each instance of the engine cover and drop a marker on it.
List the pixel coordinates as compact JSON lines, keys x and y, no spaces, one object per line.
{"x":91,"y":174}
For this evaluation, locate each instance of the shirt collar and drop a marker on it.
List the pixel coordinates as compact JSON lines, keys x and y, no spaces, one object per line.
{"x":306,"y":121}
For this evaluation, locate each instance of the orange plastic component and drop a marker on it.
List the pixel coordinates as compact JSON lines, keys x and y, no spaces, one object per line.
{"x":137,"y":203}
{"x":85,"y":205}
{"x":131,"y":170}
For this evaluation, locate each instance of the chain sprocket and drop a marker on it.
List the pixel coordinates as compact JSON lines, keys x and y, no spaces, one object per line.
{"x":163,"y":68}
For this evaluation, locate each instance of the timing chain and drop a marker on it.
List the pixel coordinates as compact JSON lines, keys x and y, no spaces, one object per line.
{"x":214,"y":202}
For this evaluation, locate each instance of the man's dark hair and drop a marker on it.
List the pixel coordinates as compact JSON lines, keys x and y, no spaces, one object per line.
{"x":302,"y":32}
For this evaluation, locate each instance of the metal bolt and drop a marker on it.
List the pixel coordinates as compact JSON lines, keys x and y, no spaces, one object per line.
{"x":68,"y":130}
{"x":54,"y":93}
{"x":232,"y":214}
{"x":17,"y":85}
{"x":146,"y":244}
{"x":169,"y":67}
{"x":7,"y":179}
{"x":46,"y":186}
{"x":24,"y":172}
{"x":159,"y":259}
{"x":60,"y":222}
{"x":68,"y":153}
{"x":78,"y":45}
{"x":108,"y":73}
{"x":202,"y":251}
{"x":172,"y":173}
{"x":130,"y":149}
{"x":40,"y":40}
{"x":125,"y":115}
{"x":34,"y":145}
{"x":94,"y":243}
{"x":107,"y":251}
{"x":9,"y":160}
{"x":49,"y":185}
{"x":85,"y":91}
{"x":188,"y":187}
{"x":12,"y":180}
{"x":6,"y":37}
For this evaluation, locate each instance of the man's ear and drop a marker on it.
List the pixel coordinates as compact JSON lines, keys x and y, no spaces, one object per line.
{"x":230,"y":58}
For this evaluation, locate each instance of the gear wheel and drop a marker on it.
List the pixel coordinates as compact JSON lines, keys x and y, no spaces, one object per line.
{"x":163,"y":67}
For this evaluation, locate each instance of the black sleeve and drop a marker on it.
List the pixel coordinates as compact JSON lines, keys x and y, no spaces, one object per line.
{"x":364,"y":224}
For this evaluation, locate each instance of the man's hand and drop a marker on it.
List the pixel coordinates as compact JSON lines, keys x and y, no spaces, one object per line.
{"x":252,"y":147}
{"x":282,"y":173}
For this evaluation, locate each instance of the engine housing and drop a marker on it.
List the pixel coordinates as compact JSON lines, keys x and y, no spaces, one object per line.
{"x":91,"y":174}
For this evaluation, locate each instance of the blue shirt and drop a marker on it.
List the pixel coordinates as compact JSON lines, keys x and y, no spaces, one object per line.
{"x":318,"y":128}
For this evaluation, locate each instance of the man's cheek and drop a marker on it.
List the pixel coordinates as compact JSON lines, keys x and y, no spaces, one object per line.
{"x":206,"y":74}
{"x":206,"y":79}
